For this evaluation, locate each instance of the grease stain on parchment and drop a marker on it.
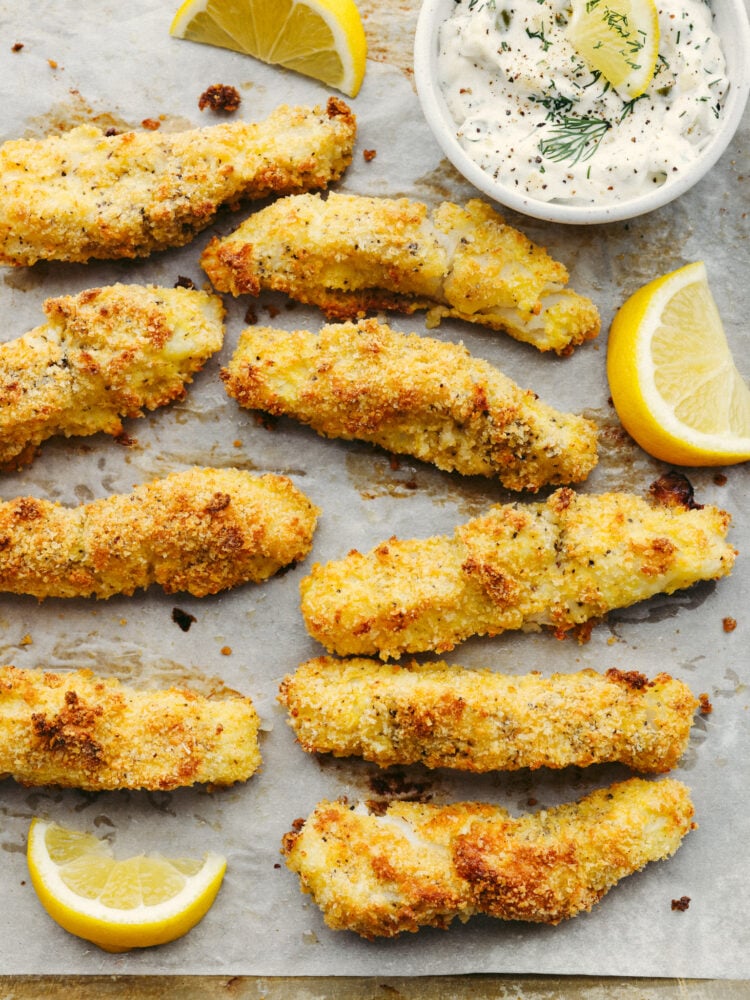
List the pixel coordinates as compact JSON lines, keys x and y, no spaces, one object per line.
{"x":389,"y":29}
{"x":378,"y":475}
{"x":66,"y":115}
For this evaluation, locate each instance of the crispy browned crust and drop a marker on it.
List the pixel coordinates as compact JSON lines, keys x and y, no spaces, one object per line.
{"x":103,"y":354}
{"x":350,"y":254}
{"x":87,"y":195}
{"x":556,"y":564}
{"x":443,"y":715}
{"x":421,"y":865}
{"x":199,"y":531}
{"x":412,"y":395}
{"x":77,"y":730}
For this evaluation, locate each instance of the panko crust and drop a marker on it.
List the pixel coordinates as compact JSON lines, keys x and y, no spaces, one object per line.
{"x":557,"y":564}
{"x":200,"y":531}
{"x":85,"y":194}
{"x":421,"y":865}
{"x":444,"y":715}
{"x":350,"y":254}
{"x":413,"y":395}
{"x":104,"y":354}
{"x":77,"y":730}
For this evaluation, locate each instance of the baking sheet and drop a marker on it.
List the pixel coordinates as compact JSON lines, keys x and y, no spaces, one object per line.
{"x":116,"y":64}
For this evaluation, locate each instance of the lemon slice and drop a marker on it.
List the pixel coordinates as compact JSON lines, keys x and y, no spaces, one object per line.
{"x":319,"y":38}
{"x":619,"y":38}
{"x":118,"y":905}
{"x":672,"y":377}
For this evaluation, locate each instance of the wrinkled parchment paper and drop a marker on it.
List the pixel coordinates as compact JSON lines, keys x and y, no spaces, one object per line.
{"x":116,"y":64}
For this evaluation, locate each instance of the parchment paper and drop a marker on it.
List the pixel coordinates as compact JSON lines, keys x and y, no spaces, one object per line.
{"x":115,"y":63}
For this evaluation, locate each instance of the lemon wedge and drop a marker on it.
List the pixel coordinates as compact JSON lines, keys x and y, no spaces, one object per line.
{"x":673,"y":381}
{"x":619,"y":38}
{"x":323,"y":39}
{"x":118,"y":905}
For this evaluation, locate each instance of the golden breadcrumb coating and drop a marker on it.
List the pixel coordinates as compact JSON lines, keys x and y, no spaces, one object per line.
{"x":442,"y":715}
{"x":199,"y":531}
{"x":103,"y":354}
{"x":86,"y":194}
{"x":349,"y":254}
{"x":421,"y":865}
{"x":558,"y":564}
{"x":77,"y":730}
{"x":412,"y":395}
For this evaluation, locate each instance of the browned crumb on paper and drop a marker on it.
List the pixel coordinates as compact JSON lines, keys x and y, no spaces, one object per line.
{"x":16,"y":47}
{"x":220,"y":97}
{"x":151,"y":124}
{"x":720,"y":479}
{"x":674,"y":489}
{"x":705,"y":704}
{"x":681,"y":904}
{"x":729,"y":624}
{"x":183,"y":619}
{"x":184,"y":282}
{"x":369,"y":155}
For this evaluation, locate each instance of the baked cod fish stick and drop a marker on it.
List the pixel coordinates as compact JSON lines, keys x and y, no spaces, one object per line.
{"x":200,"y":531}
{"x":104,"y":354}
{"x":555,"y":564}
{"x":349,"y":254}
{"x":412,"y":395}
{"x":443,"y":715}
{"x":77,"y":730}
{"x":421,"y":865}
{"x":85,"y":194}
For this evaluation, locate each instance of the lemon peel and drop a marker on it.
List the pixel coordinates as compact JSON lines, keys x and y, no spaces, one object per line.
{"x":619,"y":39}
{"x":323,"y":39}
{"x":673,"y":380}
{"x":118,"y":905}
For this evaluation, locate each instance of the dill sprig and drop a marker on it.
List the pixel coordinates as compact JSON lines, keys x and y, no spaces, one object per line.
{"x":574,"y":139}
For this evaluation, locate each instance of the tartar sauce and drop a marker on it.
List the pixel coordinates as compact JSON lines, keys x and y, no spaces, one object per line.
{"x":532,"y":114}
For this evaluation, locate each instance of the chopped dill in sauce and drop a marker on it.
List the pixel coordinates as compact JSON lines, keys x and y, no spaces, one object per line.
{"x":532,"y":114}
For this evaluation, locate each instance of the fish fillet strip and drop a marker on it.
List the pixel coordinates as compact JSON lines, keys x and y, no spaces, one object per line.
{"x":103,"y":354}
{"x":558,"y":564}
{"x":85,"y":194}
{"x":349,"y":254}
{"x":413,"y":395}
{"x":199,"y":531}
{"x":443,"y":715}
{"x":422,"y":865}
{"x":77,"y":730}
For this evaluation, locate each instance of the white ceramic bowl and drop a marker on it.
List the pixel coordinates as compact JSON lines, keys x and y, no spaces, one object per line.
{"x":731,"y":21}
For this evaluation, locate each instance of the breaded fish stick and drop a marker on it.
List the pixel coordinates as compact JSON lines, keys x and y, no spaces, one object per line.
{"x":412,"y":395}
{"x":86,"y":194}
{"x":423,"y":865}
{"x":199,"y":531}
{"x":103,"y":354}
{"x":442,"y":715}
{"x":349,"y":254}
{"x":557,"y":564}
{"x":77,"y":730}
